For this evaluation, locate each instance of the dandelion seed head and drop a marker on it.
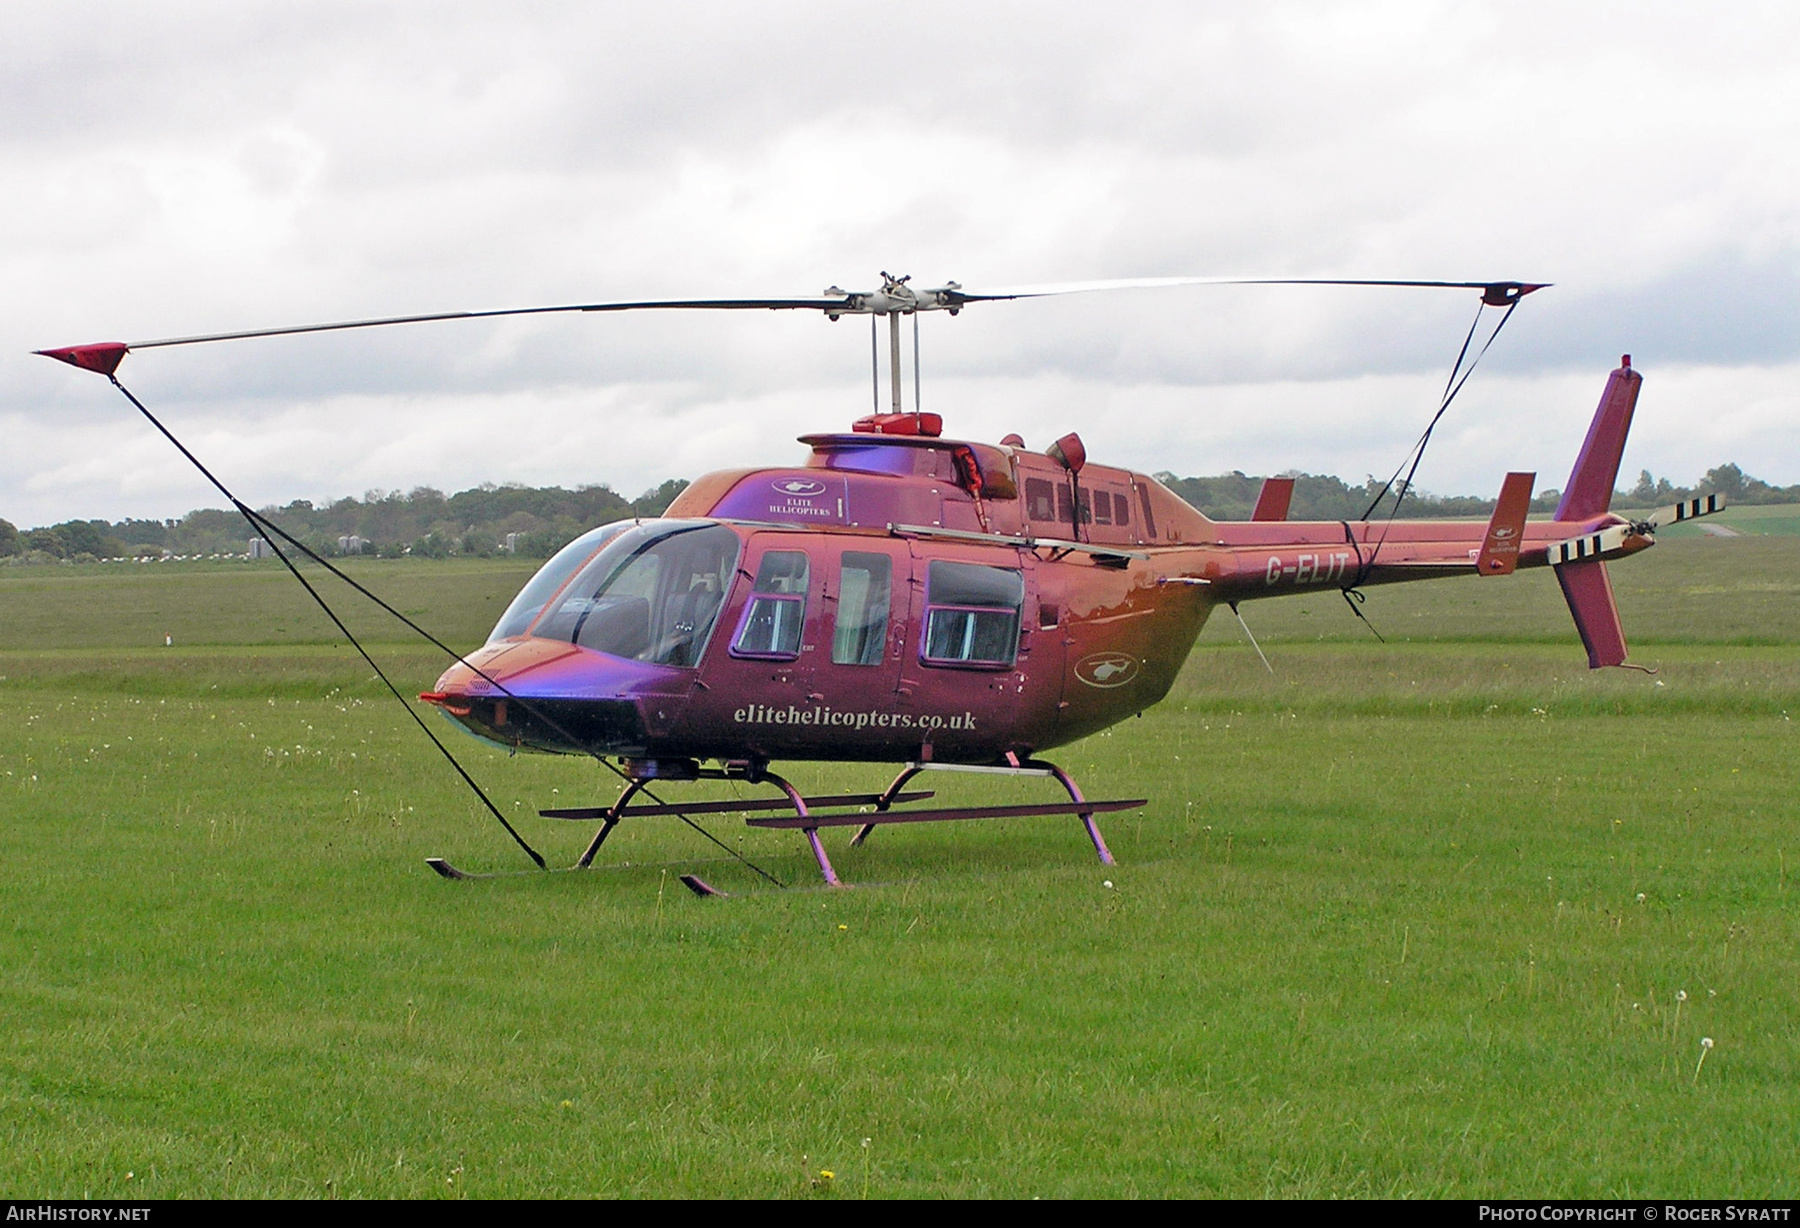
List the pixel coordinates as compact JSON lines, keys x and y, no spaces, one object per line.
{"x":1706,"y":1042}
{"x":1681,"y":995}
{"x":1107,"y":883}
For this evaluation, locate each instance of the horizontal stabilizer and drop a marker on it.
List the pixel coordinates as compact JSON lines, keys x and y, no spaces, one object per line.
{"x":1589,"y":593}
{"x":1506,"y":529}
{"x":1273,"y":500}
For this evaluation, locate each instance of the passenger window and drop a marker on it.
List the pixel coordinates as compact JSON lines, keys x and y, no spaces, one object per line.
{"x":972,"y":614}
{"x":1149,"y":515}
{"x":1121,"y":510}
{"x":776,"y":614}
{"x":865,"y":589}
{"x":1102,"y":507}
{"x":1040,"y":500}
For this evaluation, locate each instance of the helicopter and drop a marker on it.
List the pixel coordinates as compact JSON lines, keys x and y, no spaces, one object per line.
{"x":904,"y":597}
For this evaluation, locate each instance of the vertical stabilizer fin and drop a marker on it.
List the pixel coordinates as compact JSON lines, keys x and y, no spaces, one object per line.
{"x":1500,"y":547}
{"x":1272,"y":501}
{"x":1590,"y":596}
{"x":1590,"y":488}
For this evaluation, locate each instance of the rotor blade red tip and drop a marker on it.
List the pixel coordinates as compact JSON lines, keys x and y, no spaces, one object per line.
{"x":103,"y":357}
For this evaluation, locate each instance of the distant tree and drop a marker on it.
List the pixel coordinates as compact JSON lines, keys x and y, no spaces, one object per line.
{"x":9,"y":539}
{"x":655,"y":501}
{"x":83,"y":536}
{"x":431,"y":546}
{"x":141,"y":532}
{"x":45,"y":541}
{"x":1727,"y":480}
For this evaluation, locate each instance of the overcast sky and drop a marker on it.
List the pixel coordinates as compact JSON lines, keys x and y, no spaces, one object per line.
{"x":204,"y":167}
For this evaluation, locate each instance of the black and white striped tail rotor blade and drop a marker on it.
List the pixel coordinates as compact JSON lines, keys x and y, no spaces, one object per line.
{"x":1687,"y":509}
{"x":1607,"y":543}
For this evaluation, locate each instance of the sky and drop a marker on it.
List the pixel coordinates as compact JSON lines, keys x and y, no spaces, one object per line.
{"x":195,"y":167}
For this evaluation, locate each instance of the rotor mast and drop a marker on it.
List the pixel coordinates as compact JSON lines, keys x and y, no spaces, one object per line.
{"x":894,"y":357}
{"x":893,"y":300}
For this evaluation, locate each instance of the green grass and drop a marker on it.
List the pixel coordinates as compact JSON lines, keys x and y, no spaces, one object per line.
{"x":114,"y":605}
{"x":1400,"y":920}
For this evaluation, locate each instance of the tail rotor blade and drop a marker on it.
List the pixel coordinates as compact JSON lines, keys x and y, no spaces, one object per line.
{"x":1687,"y":509}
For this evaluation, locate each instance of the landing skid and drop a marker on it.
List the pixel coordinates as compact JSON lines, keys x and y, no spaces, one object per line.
{"x":809,"y":814}
{"x":693,"y":882}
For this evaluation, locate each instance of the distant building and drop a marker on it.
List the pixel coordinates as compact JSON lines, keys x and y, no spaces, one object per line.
{"x":350,"y":543}
{"x":512,"y":543}
{"x":260,"y":549}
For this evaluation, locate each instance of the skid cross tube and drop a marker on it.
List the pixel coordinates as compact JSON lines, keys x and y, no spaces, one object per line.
{"x":611,"y":816}
{"x":1077,"y":805}
{"x":958,"y":812}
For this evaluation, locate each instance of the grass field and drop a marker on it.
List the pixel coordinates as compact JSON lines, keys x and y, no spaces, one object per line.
{"x":1444,"y":916}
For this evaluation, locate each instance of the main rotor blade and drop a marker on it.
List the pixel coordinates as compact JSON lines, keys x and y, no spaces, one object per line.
{"x":693,"y":304}
{"x":893,"y":298}
{"x":104,"y":357}
{"x":1497,"y":293}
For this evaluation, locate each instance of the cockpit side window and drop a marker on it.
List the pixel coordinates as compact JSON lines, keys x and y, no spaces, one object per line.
{"x":775,"y":616}
{"x":652,"y":594}
{"x":550,"y":577}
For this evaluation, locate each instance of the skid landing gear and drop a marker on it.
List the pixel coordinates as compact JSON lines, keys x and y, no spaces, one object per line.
{"x":809,"y":814}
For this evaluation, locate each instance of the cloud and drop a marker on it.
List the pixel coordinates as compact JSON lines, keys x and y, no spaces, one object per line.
{"x":202,"y":167}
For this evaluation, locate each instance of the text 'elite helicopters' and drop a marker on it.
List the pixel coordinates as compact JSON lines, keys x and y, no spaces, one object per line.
{"x":905,"y":598}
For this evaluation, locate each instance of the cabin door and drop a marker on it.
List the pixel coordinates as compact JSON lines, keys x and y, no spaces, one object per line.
{"x":857,"y":640}
{"x":812,"y":644}
{"x":961,"y":676}
{"x":758,"y":670}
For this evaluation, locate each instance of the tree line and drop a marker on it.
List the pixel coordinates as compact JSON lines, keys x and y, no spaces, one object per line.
{"x":423,"y":521}
{"x":1232,"y":496}
{"x":426,"y":522}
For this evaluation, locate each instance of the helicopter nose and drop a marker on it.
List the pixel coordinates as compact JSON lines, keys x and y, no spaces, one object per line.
{"x":555,"y":696}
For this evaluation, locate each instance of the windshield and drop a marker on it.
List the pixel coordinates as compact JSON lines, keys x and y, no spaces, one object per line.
{"x":550,"y":577}
{"x":651,"y":594}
